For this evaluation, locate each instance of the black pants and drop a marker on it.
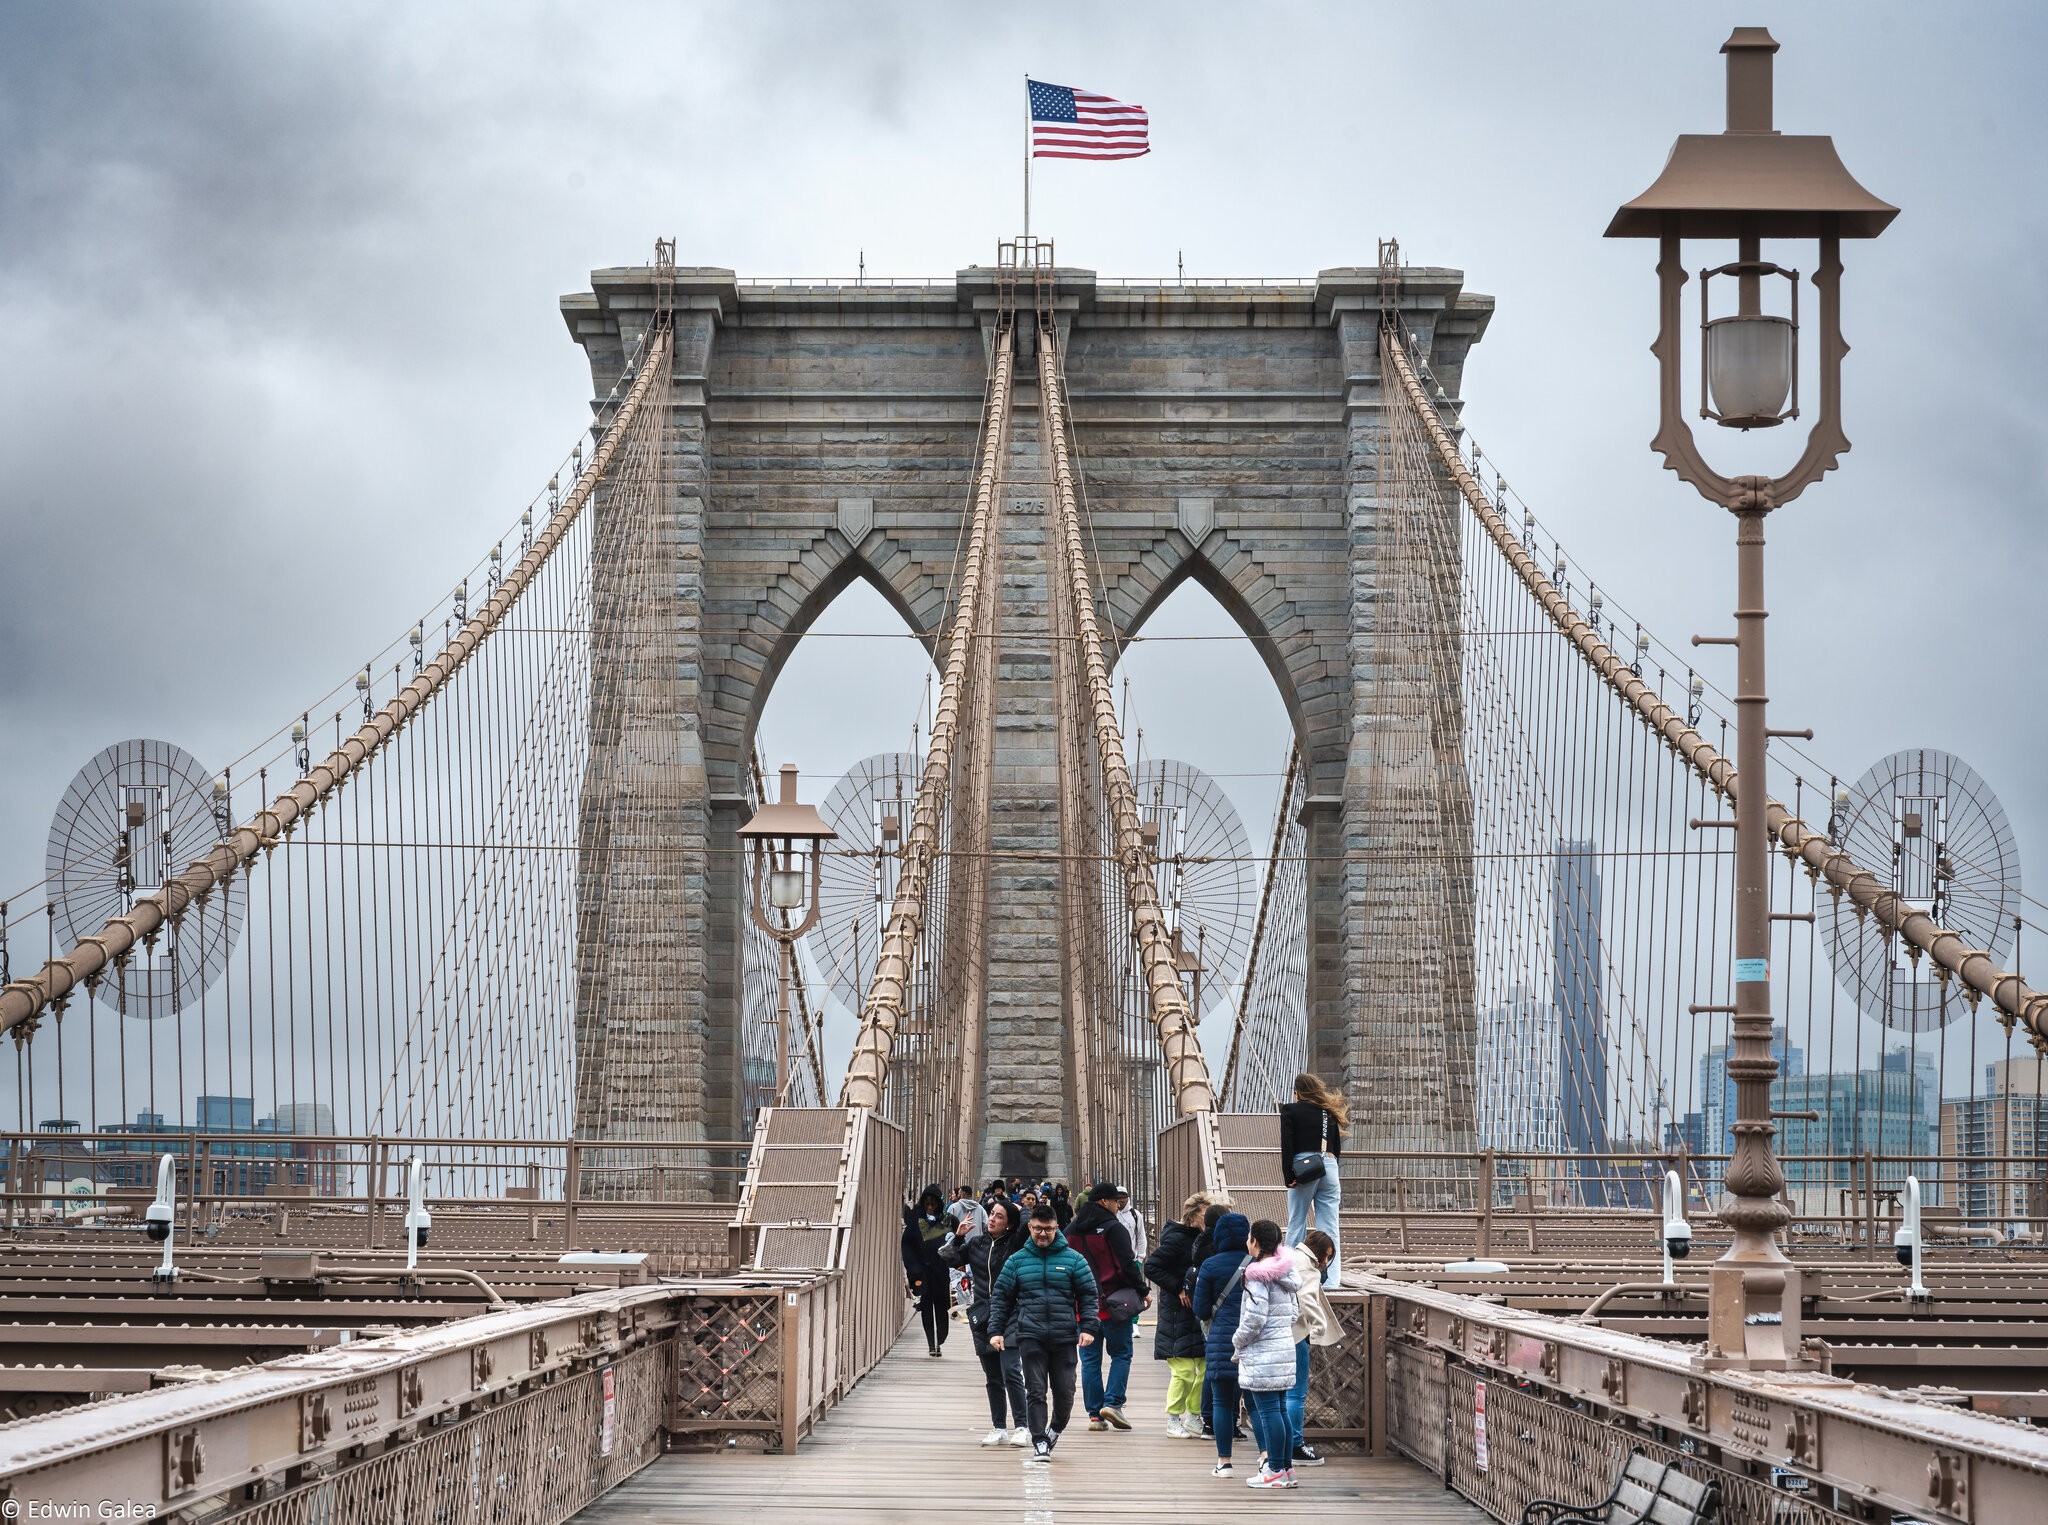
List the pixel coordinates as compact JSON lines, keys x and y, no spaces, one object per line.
{"x":1004,"y":1372}
{"x":934,"y":1317}
{"x":1049,"y":1373}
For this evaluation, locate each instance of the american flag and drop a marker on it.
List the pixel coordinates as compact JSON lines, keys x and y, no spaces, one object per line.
{"x":1078,"y":124}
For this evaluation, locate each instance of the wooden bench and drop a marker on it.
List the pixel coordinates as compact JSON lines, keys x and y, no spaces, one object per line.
{"x":1645,"y":1492}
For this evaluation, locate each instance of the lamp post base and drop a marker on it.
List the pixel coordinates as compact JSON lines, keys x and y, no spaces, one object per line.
{"x":1753,"y":1318}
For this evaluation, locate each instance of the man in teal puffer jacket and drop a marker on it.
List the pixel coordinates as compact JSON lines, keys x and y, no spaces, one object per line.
{"x":1045,"y":1306}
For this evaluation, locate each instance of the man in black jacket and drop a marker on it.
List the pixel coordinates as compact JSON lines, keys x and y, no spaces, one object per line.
{"x":1044,"y":1305}
{"x":1097,"y":1234}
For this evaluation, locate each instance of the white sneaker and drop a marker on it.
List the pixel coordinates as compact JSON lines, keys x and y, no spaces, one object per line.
{"x":1021,"y":1436}
{"x":995,"y":1437}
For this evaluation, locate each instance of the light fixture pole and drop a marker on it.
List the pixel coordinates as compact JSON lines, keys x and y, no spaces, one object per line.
{"x":1748,"y":184}
{"x":788,"y":841}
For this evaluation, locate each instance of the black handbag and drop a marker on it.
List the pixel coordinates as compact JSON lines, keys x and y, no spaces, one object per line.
{"x":1308,"y":1164}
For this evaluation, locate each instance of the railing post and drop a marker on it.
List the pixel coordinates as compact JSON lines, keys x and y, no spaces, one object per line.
{"x":787,"y":1322}
{"x":1485,"y":1247}
{"x":572,"y":1188}
{"x":373,"y":1195}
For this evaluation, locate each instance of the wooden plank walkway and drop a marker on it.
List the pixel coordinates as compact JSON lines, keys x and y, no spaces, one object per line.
{"x":905,"y":1446}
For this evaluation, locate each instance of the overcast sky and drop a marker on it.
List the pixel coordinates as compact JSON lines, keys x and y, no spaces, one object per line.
{"x":280,"y":354}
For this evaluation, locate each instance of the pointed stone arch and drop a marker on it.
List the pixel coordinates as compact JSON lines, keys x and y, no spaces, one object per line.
{"x":1284,"y":637}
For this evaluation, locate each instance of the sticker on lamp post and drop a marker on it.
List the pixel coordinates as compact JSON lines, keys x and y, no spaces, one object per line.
{"x":1752,"y":971}
{"x":608,"y":1427}
{"x":1479,"y":1425}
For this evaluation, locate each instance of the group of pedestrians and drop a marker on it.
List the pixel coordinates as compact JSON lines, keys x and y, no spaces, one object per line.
{"x":1050,"y":1293}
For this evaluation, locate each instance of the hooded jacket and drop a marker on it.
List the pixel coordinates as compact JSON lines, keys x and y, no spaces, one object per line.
{"x":925,"y":1227}
{"x":1179,"y":1332}
{"x":1111,"y":1258}
{"x":1263,"y":1341}
{"x":1047,"y":1295}
{"x":1211,"y":1303}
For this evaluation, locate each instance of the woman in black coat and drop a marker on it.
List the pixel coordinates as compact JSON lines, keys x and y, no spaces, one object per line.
{"x":925,"y":1231}
{"x":983,"y":1252}
{"x":1178,"y":1338}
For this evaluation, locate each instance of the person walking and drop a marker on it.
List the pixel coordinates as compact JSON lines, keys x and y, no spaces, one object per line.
{"x":1218,"y":1300}
{"x":1099,"y":1235}
{"x":1205,"y":1246}
{"x":981,"y":1253}
{"x":1263,"y":1345}
{"x":1311,"y":1143}
{"x":1063,"y":1205}
{"x":1045,"y":1307}
{"x":925,"y":1229}
{"x":1133,"y":1222}
{"x":1177,"y":1338}
{"x":1316,"y":1324}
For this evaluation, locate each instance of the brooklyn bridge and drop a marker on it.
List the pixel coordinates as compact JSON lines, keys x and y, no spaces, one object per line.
{"x":498,"y":1093}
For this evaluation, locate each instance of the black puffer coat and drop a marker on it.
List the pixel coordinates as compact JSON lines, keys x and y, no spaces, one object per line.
{"x":925,"y":1229}
{"x":1179,"y":1332}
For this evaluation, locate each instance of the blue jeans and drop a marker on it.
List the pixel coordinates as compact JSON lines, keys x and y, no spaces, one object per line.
{"x":1297,"y":1395}
{"x":1223,"y":1408}
{"x":1269,"y":1426}
{"x":1095,"y":1397}
{"x":1326,"y":1196}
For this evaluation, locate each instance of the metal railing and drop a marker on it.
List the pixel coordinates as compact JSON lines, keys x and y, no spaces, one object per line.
{"x":520,"y":1417}
{"x":677,"y":1199}
{"x":1563,"y":1401}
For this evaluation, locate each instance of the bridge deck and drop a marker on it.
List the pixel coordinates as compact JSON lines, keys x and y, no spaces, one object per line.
{"x":906,"y":1442}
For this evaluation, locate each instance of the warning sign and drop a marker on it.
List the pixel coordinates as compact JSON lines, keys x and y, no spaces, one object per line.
{"x":1479,"y":1425}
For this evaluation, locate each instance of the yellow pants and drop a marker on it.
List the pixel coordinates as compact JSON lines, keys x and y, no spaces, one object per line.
{"x":1184,"y":1384}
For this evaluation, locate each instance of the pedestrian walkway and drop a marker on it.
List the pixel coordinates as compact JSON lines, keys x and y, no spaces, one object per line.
{"x":905,"y":1445}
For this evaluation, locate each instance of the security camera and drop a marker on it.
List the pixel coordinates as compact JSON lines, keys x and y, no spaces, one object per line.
{"x":1902,"y":1246}
{"x":1677,"y":1232}
{"x":162,"y":1214}
{"x":417,"y":1219}
{"x":1907,"y":1241}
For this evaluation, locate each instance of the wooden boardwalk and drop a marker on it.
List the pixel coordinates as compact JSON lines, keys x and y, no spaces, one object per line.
{"x":905,"y":1446}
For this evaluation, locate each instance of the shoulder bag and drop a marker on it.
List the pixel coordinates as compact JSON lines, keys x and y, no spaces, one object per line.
{"x":1308,"y":1164}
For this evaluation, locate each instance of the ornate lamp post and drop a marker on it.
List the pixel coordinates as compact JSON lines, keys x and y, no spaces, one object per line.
{"x":789,"y":857}
{"x":1751,"y":183}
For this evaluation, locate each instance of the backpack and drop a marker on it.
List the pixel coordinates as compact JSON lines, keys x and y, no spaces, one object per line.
{"x":1118,"y":1302}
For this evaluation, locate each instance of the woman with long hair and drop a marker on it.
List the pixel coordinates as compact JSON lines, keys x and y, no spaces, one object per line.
{"x":1311,"y":1143}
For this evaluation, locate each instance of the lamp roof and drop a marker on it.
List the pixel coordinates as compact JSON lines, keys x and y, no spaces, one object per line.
{"x":1752,"y":179}
{"x":787,"y":818}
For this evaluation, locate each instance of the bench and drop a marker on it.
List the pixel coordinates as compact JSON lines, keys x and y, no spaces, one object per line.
{"x":1645,"y":1492}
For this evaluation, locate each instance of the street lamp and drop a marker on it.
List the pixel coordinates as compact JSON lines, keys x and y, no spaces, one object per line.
{"x":789,"y":857}
{"x":1751,"y":183}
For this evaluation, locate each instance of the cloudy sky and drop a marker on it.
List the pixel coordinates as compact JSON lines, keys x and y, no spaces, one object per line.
{"x":279,"y":348}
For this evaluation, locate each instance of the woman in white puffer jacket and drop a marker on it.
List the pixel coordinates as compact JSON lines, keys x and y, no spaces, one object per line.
{"x":1264,"y":1349}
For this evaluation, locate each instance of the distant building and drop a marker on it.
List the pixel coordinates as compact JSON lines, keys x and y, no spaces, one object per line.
{"x":1982,"y":1134}
{"x":1717,"y":1097}
{"x":1924,"y":1067}
{"x":1575,"y":995}
{"x":1878,"y":1110}
{"x":1518,"y":1087}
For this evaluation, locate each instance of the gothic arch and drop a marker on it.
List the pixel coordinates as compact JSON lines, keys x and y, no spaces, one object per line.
{"x":1284,"y":639}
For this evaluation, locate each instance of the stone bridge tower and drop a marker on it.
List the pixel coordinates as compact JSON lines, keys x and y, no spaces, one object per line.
{"x":1228,"y":433}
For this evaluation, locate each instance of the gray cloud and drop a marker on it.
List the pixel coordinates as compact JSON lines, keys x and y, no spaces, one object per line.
{"x":279,"y":355}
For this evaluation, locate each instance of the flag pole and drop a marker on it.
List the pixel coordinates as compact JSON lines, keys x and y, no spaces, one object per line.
{"x":1027,"y":156}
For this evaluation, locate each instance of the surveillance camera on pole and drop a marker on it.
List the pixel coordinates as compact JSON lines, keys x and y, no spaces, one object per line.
{"x":1677,"y":1232}
{"x":1907,"y":1241}
{"x":417,"y":1219}
{"x":162,"y":1214}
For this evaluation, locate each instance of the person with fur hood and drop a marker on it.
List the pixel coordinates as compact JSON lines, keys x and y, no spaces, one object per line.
{"x":1263,"y":1346}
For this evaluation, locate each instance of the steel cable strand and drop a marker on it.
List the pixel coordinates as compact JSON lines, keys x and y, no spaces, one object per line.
{"x":2008,"y":990}
{"x":24,"y":1000}
{"x":882,"y":1013}
{"x":1179,"y":1043}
